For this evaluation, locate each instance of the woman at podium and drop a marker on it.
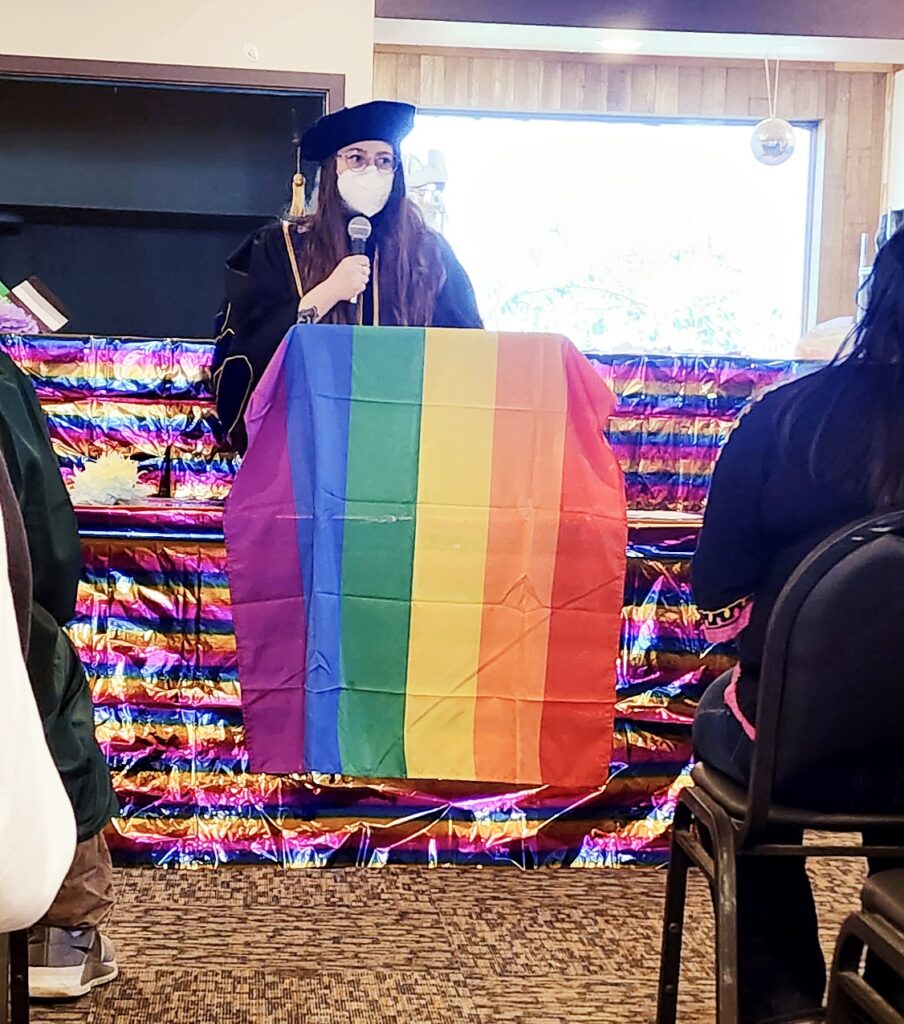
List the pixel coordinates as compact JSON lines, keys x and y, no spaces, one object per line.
{"x":363,"y":256}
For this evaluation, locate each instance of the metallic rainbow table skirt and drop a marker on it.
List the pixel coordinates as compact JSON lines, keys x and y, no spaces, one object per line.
{"x":155,"y":632}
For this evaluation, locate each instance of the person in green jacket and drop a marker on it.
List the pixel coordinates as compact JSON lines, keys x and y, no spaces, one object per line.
{"x":68,"y":955}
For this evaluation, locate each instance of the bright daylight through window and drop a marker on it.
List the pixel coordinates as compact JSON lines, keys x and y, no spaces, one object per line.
{"x":628,"y":236}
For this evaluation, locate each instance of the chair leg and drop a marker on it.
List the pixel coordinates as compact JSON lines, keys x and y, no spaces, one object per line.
{"x":4,"y":979}
{"x":673,"y":922}
{"x":18,"y":978}
{"x":848,"y":954}
{"x":725,"y":898}
{"x":852,"y":999}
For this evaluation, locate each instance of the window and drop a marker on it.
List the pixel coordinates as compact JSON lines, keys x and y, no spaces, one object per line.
{"x":625,"y":235}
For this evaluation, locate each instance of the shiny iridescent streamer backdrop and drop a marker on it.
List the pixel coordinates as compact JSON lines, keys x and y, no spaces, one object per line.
{"x":154,"y":630}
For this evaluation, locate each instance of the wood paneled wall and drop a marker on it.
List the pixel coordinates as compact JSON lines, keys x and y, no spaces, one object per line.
{"x":851,"y":105}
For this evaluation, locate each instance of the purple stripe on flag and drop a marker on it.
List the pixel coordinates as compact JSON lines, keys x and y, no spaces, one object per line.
{"x":266,"y":582}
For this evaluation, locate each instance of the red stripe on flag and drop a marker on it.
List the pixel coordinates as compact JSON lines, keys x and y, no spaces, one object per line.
{"x":579,"y":705}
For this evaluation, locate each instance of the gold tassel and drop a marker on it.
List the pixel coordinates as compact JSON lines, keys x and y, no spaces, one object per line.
{"x":297,"y":207}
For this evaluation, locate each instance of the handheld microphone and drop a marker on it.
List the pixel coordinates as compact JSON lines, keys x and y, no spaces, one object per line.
{"x":359,"y":230}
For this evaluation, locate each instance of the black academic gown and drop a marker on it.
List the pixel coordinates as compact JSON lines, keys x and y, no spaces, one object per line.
{"x":56,"y":674}
{"x":262,"y":304}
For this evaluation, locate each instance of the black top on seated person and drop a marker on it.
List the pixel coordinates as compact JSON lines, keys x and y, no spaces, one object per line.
{"x":298,"y":268}
{"x":805,"y":460}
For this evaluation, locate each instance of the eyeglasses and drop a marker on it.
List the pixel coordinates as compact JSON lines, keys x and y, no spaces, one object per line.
{"x":357,"y":160}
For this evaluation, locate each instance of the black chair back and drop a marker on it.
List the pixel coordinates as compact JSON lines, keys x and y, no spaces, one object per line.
{"x":830,"y":720}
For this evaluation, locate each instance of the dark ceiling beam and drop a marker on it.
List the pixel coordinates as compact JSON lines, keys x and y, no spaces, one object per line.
{"x":868,"y":19}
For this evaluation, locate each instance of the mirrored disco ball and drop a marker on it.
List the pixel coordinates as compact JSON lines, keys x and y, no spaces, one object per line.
{"x":773,"y":141}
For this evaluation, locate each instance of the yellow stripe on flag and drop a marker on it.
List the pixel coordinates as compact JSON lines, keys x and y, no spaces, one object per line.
{"x":455,"y":467}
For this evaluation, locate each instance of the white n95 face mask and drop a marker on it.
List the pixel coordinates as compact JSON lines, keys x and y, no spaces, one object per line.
{"x":366,"y":191}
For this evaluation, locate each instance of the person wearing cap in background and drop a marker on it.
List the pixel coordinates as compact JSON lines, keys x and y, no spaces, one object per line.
{"x":298,"y":269}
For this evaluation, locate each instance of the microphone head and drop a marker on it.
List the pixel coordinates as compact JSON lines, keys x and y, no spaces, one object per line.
{"x":359,"y":229}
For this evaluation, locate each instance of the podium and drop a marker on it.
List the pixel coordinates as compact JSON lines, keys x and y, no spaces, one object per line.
{"x":426,"y":553}
{"x":155,"y":631}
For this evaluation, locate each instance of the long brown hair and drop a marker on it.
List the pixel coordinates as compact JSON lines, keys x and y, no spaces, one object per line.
{"x":411,"y":272}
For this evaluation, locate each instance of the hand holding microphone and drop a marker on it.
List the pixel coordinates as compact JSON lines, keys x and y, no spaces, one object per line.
{"x":350,"y":278}
{"x":359,"y":231}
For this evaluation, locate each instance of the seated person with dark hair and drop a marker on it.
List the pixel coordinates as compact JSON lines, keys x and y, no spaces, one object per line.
{"x":804,"y":461}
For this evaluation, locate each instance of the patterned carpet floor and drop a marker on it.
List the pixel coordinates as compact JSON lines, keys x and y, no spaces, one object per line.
{"x":445,"y":946}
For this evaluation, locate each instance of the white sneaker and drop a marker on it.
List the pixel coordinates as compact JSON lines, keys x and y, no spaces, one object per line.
{"x":65,"y":964}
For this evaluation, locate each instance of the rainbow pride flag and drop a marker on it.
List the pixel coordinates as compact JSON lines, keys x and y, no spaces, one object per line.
{"x":426,"y":550}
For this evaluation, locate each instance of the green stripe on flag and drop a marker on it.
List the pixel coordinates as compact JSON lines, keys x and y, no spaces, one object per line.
{"x":378,"y":547}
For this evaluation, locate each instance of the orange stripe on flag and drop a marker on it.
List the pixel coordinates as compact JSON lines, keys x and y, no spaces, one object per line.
{"x":528,"y":440}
